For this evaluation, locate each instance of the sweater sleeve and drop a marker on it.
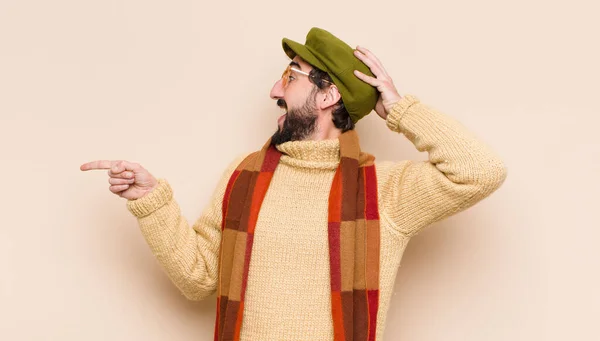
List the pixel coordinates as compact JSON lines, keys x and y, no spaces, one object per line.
{"x":188,"y":254}
{"x":459,"y":172}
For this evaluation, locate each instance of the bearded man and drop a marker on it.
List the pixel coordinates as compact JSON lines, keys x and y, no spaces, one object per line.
{"x":303,"y":238}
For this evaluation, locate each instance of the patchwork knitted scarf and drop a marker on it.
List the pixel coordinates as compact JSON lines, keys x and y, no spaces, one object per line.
{"x":353,"y":230}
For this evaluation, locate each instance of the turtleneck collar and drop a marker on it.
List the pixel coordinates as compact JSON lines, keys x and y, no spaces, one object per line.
{"x":324,"y":154}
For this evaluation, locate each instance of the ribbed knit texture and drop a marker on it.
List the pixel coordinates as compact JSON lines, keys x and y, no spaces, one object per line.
{"x":288,"y":295}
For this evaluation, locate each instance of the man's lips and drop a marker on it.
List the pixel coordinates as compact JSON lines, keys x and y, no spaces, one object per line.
{"x":281,"y":119}
{"x":283,"y":107}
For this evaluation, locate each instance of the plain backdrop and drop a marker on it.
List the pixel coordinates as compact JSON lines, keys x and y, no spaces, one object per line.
{"x":182,"y":88}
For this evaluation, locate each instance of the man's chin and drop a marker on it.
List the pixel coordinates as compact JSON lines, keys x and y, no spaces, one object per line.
{"x":280,"y":136}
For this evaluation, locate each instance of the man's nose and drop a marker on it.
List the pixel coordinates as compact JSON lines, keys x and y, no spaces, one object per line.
{"x":277,"y":90}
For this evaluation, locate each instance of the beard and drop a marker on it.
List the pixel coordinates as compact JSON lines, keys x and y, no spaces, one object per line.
{"x":299,"y":123}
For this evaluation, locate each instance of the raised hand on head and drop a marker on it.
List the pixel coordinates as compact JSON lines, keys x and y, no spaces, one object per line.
{"x":388,"y":94}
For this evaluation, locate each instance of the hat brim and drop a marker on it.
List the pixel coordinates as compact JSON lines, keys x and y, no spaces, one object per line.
{"x":293,"y":49}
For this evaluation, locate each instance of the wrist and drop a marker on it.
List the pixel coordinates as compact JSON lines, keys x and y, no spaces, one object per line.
{"x":389,"y":104}
{"x":398,"y":111}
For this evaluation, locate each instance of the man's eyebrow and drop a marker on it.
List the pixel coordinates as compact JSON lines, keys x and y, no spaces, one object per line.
{"x":293,"y":63}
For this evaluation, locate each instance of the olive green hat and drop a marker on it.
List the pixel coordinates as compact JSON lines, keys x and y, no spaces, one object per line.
{"x":326,"y":52}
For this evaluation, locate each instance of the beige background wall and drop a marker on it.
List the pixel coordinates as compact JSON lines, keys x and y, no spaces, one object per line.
{"x":182,"y":87}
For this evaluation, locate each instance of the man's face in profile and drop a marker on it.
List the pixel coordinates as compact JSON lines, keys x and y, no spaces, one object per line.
{"x":295,"y":93}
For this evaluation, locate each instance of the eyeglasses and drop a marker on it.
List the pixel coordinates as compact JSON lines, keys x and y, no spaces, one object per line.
{"x":285,"y":77}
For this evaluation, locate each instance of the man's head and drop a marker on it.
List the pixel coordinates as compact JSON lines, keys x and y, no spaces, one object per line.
{"x":322,"y":96}
{"x":313,"y":104}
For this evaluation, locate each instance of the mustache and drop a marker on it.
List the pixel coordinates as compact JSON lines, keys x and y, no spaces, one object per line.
{"x":281,"y":103}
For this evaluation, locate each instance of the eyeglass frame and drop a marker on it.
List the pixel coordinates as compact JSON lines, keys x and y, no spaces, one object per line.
{"x":288,"y":71}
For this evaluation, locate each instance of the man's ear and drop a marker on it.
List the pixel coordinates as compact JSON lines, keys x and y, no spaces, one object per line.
{"x":329,"y":97}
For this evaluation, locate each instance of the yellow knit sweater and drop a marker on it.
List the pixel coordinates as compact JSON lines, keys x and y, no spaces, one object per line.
{"x":288,"y":294}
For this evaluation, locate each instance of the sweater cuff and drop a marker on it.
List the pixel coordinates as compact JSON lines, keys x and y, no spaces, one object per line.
{"x":398,"y":110}
{"x":151,"y":201}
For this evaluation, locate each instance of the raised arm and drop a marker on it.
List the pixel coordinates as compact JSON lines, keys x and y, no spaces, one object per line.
{"x":461,"y":170}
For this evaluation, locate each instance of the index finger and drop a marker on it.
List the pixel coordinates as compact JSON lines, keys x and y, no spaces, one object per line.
{"x":99,"y":164}
{"x":371,"y":58}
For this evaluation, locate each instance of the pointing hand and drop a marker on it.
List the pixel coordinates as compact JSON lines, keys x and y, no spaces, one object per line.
{"x":128,"y":180}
